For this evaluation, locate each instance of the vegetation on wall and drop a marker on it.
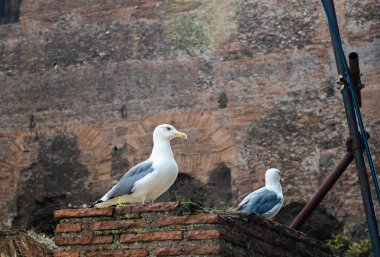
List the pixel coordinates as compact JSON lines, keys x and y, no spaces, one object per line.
{"x":344,"y":246}
{"x":201,"y":24}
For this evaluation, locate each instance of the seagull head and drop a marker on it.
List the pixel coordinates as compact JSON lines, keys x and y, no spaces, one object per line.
{"x":273,"y":178}
{"x":167,"y":132}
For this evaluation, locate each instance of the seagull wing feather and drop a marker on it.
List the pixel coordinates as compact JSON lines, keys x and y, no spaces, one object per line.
{"x":260,"y":201}
{"x":127,"y":182}
{"x":247,"y":198}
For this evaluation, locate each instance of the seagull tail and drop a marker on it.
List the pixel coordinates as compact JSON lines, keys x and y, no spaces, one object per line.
{"x":95,"y":203}
{"x":114,"y":201}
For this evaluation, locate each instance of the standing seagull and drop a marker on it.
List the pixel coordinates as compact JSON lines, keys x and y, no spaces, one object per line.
{"x":149,"y":179}
{"x":268,"y":200}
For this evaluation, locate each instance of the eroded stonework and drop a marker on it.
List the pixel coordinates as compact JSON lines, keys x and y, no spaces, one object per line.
{"x":252,"y":83}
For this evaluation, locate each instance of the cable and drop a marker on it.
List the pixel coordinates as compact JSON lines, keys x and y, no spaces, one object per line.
{"x":339,"y":47}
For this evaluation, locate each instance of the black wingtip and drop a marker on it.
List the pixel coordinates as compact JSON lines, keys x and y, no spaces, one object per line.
{"x":95,"y":203}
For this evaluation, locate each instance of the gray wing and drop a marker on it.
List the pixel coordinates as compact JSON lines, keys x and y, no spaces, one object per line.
{"x":127,"y":182}
{"x":249,"y":196}
{"x":260,"y":201}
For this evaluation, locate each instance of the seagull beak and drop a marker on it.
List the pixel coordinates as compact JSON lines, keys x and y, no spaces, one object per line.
{"x":282,"y":181}
{"x":181,"y":135}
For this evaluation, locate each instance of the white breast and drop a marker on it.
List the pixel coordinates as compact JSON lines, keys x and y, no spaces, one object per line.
{"x":156,"y":183}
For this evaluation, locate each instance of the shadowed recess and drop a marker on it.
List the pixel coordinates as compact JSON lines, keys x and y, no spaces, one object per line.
{"x":56,"y":180}
{"x":321,"y":225}
{"x":216,"y":192}
{"x":9,"y":11}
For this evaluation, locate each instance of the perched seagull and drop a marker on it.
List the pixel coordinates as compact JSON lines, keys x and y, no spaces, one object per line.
{"x":149,"y":179}
{"x":268,"y":200}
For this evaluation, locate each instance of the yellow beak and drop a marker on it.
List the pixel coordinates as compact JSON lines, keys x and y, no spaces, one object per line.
{"x":181,"y":135}
{"x":282,"y":181}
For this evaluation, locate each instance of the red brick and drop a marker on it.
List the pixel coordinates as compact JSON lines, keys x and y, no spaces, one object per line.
{"x":139,"y":208}
{"x":117,"y":224}
{"x":89,"y":212}
{"x":119,"y":253}
{"x":151,"y":236}
{"x":192,"y":219}
{"x":66,"y":254}
{"x":187,"y":250}
{"x":86,"y":240}
{"x":203,"y":234}
{"x":68,"y":227}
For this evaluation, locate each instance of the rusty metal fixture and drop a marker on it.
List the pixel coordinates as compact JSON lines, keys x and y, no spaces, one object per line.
{"x":353,"y":60}
{"x":327,"y":184}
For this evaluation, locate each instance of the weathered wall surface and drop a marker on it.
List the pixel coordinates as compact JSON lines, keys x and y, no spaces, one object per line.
{"x":20,"y":243}
{"x":172,"y":229}
{"x":83,"y":84}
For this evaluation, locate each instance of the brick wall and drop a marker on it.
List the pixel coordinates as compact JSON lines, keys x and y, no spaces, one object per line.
{"x":19,"y":243}
{"x":173,"y":229}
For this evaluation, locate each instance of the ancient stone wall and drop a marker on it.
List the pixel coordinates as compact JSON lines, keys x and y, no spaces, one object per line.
{"x":84,"y":83}
{"x":172,"y":229}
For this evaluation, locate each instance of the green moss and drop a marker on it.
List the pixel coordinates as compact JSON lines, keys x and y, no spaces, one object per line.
{"x":179,"y":6}
{"x":188,"y":31}
{"x":359,"y":249}
{"x":131,"y":216}
{"x":137,"y":245}
{"x":343,"y":246}
{"x":201,"y":24}
{"x":140,"y":230}
{"x":187,"y":206}
{"x":116,"y":245}
{"x":222,"y":209}
{"x":107,"y":232}
{"x":191,"y":206}
{"x":339,"y":242}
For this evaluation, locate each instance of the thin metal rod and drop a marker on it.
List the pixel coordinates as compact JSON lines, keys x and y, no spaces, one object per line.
{"x":334,"y":37}
{"x":327,"y":184}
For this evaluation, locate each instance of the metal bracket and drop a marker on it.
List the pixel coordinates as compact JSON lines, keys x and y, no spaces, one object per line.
{"x":340,"y":82}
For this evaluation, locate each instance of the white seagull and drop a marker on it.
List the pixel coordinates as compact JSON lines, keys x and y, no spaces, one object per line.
{"x":268,"y":200}
{"x":149,"y":179}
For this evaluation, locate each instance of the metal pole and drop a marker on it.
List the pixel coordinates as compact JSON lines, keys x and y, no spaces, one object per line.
{"x":327,"y":184}
{"x":362,"y":172}
{"x":353,"y":60}
{"x":338,"y":60}
{"x":357,"y":141}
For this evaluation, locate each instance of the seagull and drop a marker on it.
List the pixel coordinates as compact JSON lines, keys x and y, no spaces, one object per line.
{"x":149,"y":179}
{"x":268,"y":200}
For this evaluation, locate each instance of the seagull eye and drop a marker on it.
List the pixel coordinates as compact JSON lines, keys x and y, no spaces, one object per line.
{"x":168,"y":128}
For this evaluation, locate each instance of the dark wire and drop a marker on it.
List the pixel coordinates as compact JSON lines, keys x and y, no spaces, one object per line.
{"x":339,"y":47}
